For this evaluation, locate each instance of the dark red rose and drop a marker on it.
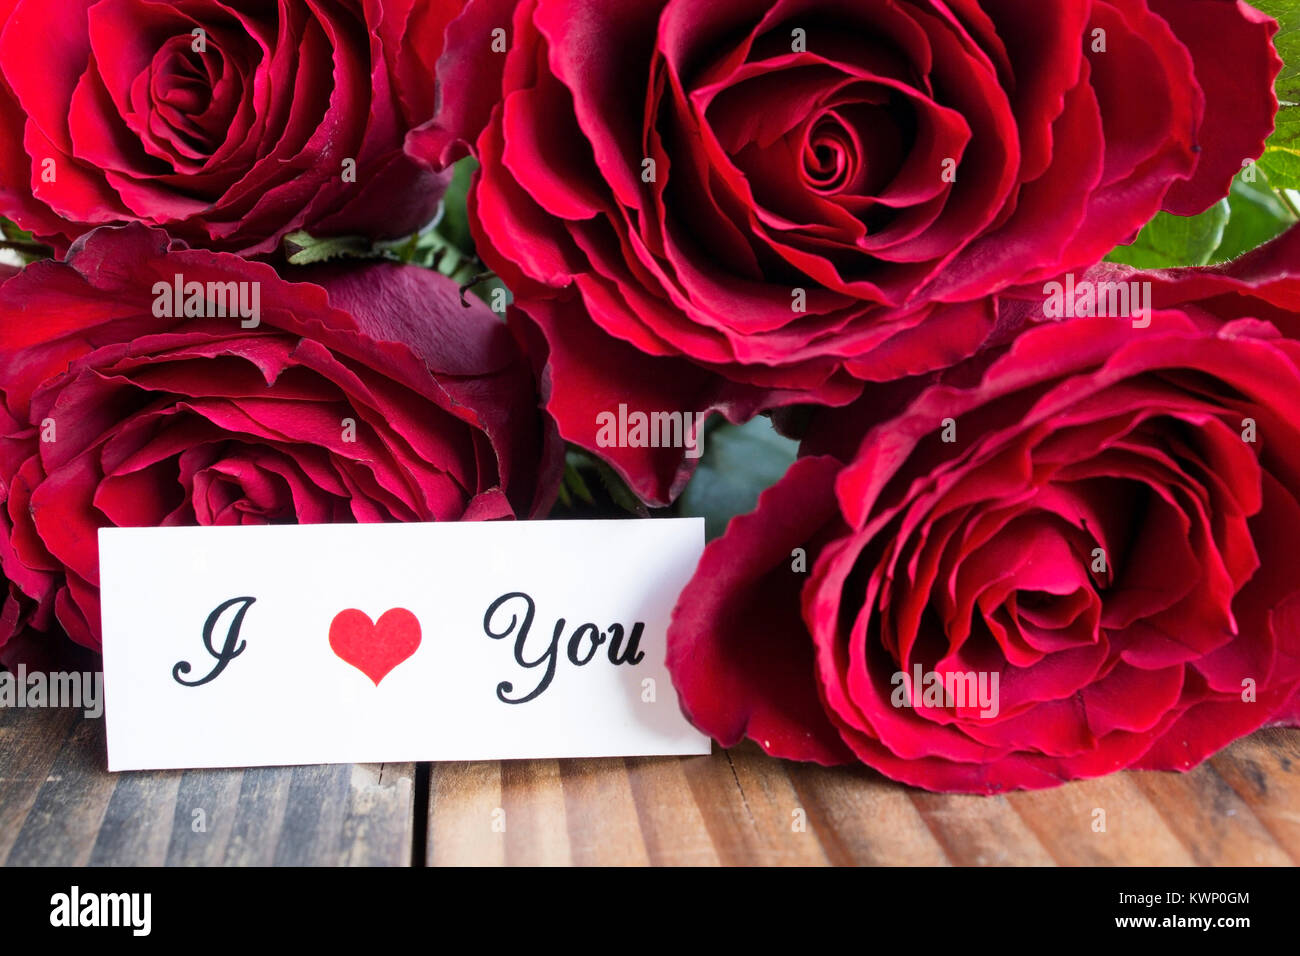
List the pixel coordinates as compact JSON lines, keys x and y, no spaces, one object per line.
{"x":1109,"y":531}
{"x":277,"y":117}
{"x":665,"y":183}
{"x":364,"y":394}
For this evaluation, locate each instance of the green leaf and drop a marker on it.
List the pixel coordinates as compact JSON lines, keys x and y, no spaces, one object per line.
{"x":453,"y":224}
{"x":11,"y":232}
{"x":445,"y":245}
{"x":1168,"y":240}
{"x":592,"y":489}
{"x":1287,"y":41}
{"x":434,"y":251}
{"x":574,"y":485}
{"x":1254,"y":212}
{"x":1257,"y":215}
{"x":21,"y":244}
{"x":619,"y":492}
{"x":303,"y":249}
{"x":1281,"y":159}
{"x":1281,"y":164}
{"x":739,"y":463}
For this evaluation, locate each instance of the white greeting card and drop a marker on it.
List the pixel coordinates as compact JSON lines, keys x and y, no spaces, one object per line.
{"x":289,"y":644}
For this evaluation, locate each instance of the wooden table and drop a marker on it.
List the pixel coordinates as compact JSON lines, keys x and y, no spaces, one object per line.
{"x":58,"y":805}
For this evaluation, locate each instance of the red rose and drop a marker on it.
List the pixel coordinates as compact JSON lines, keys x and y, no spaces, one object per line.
{"x":1083,"y":544}
{"x":366,"y":394}
{"x":275,"y":117}
{"x":736,"y":206}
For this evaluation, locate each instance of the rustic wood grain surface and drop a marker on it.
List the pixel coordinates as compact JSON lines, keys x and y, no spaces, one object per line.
{"x":58,"y":805}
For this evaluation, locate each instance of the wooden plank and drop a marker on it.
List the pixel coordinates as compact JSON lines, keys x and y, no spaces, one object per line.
{"x":60,"y":806}
{"x":64,"y":819}
{"x":980,"y":831}
{"x":672,"y":823}
{"x":466,"y":815}
{"x":533,"y":814}
{"x":590,"y":812}
{"x":733,"y":807}
{"x":1210,"y":818}
{"x":257,"y":815}
{"x":200,"y":833}
{"x":331,"y":815}
{"x":713,"y":786}
{"x":862,"y":818}
{"x":379,"y":826}
{"x":130,"y":830}
{"x":614,"y":833}
{"x":741,"y":807}
{"x":779,"y":830}
{"x":1067,"y":820}
{"x":1264,"y":770}
{"x":29,"y":742}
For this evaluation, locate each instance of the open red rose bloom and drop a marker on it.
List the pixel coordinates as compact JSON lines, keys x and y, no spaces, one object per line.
{"x":1097,"y":522}
{"x":769,"y":202}
{"x":365,"y":394}
{"x":229,"y":124}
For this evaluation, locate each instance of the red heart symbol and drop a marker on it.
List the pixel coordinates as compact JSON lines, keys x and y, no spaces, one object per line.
{"x":375,"y":648}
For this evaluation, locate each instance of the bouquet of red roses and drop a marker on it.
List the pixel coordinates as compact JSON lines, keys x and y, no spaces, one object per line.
{"x":971,"y":327}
